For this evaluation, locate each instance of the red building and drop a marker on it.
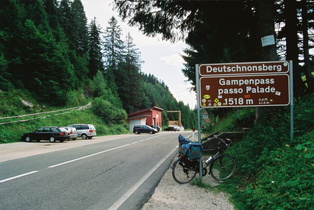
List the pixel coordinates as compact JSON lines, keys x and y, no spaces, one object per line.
{"x":151,"y":116}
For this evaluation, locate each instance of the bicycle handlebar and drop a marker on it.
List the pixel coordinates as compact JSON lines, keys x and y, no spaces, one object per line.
{"x":228,"y":142}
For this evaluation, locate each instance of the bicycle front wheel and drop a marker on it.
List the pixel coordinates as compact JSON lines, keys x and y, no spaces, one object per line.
{"x":182,"y":172}
{"x":222,"y":167}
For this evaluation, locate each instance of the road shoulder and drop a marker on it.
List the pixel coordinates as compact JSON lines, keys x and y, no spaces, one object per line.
{"x":171,"y":195}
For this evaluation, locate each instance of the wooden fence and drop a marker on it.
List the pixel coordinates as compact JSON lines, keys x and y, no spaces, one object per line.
{"x":41,"y":115}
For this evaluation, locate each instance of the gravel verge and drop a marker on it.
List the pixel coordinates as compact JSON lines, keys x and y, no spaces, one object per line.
{"x":171,"y":195}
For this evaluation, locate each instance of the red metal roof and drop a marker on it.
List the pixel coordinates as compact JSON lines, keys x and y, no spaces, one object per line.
{"x":145,"y":110}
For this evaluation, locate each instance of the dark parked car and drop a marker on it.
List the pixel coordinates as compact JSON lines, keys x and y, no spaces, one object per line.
{"x":144,"y":129}
{"x":172,"y":128}
{"x":51,"y":133}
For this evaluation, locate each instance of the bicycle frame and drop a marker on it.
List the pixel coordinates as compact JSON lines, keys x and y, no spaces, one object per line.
{"x":184,"y":171}
{"x":218,"y":153}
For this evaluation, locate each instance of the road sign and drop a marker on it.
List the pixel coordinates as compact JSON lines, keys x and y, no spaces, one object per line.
{"x":244,"y":91}
{"x":249,"y":84}
{"x":277,"y":67}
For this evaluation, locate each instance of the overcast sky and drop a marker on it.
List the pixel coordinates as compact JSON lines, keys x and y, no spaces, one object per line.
{"x":161,"y":58}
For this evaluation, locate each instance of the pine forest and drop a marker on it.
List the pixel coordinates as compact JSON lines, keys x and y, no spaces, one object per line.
{"x":51,"y":55}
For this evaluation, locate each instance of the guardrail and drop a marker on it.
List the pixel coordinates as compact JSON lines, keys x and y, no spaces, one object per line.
{"x":39,"y":114}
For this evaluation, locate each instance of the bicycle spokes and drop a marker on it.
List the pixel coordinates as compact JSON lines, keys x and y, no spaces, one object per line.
{"x":183,"y":172}
{"x":223,"y":167}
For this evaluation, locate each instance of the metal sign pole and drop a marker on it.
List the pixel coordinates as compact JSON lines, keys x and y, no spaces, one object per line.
{"x":198,"y":118}
{"x":291,"y":102}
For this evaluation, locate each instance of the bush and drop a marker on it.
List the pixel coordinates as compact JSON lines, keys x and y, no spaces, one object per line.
{"x":234,"y":121}
{"x":286,"y":180}
{"x":108,"y":112}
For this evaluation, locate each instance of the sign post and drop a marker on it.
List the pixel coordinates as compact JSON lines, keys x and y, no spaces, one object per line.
{"x":199,"y":123}
{"x":249,"y":84}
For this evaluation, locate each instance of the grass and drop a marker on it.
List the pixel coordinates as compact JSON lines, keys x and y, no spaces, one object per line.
{"x":274,"y":171}
{"x":11,"y":105}
{"x":13,"y":132}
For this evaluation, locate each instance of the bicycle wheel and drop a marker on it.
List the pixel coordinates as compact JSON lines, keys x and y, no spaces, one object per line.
{"x":222,"y":167}
{"x":183,"y":172}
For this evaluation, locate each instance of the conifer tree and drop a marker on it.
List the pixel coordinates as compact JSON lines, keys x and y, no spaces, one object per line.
{"x":81,"y":31}
{"x":128,"y":78}
{"x":215,"y":37}
{"x":113,"y":51}
{"x":8,"y":24}
{"x":74,"y":23}
{"x":51,"y":8}
{"x":95,"y":54}
{"x":67,"y":22}
{"x":41,"y":60}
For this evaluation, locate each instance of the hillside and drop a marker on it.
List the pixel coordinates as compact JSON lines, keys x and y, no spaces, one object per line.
{"x":52,"y":59}
{"x":107,"y":118}
{"x":274,"y":171}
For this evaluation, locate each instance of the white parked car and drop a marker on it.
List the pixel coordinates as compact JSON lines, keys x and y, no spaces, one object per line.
{"x":72,"y":132}
{"x":86,"y":131}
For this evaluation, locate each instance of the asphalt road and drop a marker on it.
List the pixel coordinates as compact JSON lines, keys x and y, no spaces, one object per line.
{"x":114,"y":174}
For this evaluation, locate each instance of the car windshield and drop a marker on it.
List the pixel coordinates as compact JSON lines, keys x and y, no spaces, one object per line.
{"x":39,"y":130}
{"x":54,"y":130}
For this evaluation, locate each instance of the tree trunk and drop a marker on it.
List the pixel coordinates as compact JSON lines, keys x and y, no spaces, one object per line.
{"x":265,"y":27}
{"x":292,"y":45}
{"x":307,"y":70}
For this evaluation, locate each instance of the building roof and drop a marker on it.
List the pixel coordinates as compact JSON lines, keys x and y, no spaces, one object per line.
{"x":145,"y":110}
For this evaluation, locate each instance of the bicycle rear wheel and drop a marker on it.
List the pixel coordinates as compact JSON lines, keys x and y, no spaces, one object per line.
{"x":222,"y":167}
{"x":183,"y":172}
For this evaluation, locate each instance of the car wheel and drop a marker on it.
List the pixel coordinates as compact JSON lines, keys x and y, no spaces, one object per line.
{"x":28,"y":139}
{"x":151,"y":132}
{"x":136,"y":132}
{"x":84,"y":136}
{"x":52,"y":139}
{"x":74,"y":139}
{"x":90,"y":137}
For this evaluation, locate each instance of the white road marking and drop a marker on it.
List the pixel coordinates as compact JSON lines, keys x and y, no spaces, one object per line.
{"x":123,"y":198}
{"x":87,"y":156}
{"x":71,"y":161}
{"x":15,"y":177}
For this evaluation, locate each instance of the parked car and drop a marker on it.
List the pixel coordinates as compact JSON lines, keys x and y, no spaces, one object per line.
{"x":156,"y":127}
{"x":144,"y":129}
{"x":85,"y":131}
{"x":177,"y":128}
{"x":172,"y":128}
{"x":72,"y":132}
{"x":169,"y":129}
{"x":51,"y":133}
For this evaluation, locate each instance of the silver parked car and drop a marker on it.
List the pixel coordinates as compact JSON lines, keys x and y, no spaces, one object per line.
{"x":86,"y":131}
{"x":72,"y":132}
